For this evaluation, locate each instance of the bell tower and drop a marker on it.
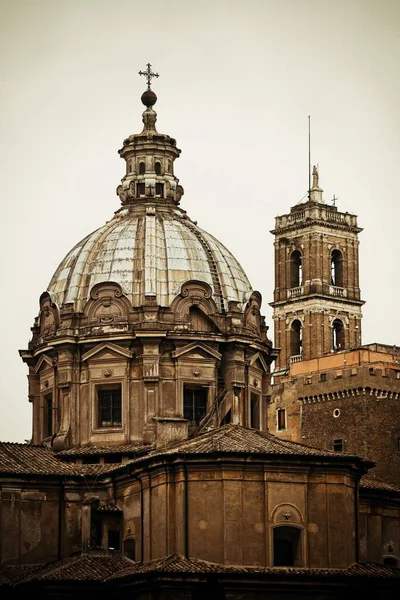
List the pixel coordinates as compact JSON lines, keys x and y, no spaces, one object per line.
{"x":317,"y":305}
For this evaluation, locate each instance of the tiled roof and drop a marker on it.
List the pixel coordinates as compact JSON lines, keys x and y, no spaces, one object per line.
{"x":176,"y":563}
{"x":109,"y":508}
{"x":370,"y":483}
{"x":108,"y":567}
{"x":85,"y":567}
{"x":96,"y":450}
{"x":29,"y":459}
{"x":10,"y":574}
{"x":238,"y":439}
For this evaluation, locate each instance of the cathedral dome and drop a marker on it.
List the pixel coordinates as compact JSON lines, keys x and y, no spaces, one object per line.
{"x":150,"y":251}
{"x":150,"y":247}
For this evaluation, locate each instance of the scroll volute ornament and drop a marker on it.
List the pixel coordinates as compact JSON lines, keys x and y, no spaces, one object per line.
{"x":252,"y":317}
{"x":49,"y":318}
{"x":107,"y":303}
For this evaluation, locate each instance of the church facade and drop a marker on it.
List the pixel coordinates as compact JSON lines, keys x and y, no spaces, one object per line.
{"x":160,"y":464}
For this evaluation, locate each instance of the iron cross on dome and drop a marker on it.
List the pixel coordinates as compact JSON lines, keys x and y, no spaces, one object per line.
{"x":148,"y":74}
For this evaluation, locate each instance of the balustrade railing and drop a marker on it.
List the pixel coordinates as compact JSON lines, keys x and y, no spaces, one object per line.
{"x":296,"y":358}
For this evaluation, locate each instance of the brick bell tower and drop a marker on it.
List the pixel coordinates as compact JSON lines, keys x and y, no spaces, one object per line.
{"x":317,"y":305}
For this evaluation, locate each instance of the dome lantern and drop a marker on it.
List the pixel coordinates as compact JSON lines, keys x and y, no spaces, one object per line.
{"x":149,"y":158}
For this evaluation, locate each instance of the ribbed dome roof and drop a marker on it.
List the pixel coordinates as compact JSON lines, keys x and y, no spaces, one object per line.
{"x":150,"y":252}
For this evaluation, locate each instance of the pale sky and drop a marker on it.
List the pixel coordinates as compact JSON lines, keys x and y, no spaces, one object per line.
{"x":237,"y":83}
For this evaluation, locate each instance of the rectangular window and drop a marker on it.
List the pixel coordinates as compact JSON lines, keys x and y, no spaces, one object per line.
{"x":372,"y":371}
{"x":281,"y":419}
{"x":255,"y":411}
{"x":338,"y":445}
{"x":48,"y":415}
{"x":398,"y":444}
{"x":322,"y":377}
{"x":110,"y":407}
{"x":141,"y":189}
{"x":114,"y":539}
{"x":194,"y":403}
{"x":160,"y":189}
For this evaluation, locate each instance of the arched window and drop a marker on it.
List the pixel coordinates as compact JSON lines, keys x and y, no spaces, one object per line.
{"x":296,"y":276}
{"x":337,"y":335}
{"x":337,"y":268}
{"x":157,"y":168}
{"x":130,"y":548}
{"x":296,"y":342}
{"x":287,"y":546}
{"x":142,"y":168}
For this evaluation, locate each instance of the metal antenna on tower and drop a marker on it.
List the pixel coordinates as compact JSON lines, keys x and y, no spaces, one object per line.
{"x":309,"y":157}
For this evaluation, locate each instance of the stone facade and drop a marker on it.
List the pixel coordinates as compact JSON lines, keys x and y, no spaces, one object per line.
{"x":150,"y":383}
{"x":317,"y":305}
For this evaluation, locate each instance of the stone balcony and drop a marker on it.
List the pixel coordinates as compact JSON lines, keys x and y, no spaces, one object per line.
{"x":296,"y":358}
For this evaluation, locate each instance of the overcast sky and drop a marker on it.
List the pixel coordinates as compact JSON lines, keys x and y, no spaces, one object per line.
{"x":237,"y":83}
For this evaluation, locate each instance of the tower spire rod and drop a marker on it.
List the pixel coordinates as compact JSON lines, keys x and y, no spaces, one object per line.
{"x":309,"y":156}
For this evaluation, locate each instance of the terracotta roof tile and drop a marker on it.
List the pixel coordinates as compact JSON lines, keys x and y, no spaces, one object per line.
{"x":235,"y":438}
{"x":370,"y":483}
{"x":30,"y":459}
{"x":176,"y":563}
{"x":85,"y":567}
{"x":101,"y":450}
{"x":10,"y":574}
{"x":108,"y":567}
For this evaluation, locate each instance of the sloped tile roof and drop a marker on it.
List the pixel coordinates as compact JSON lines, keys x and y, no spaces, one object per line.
{"x":10,"y":574}
{"x":238,"y":439}
{"x":109,"y":567}
{"x":370,"y":483}
{"x":96,"y":450}
{"x":30,"y":459}
{"x":85,"y":567}
{"x":176,"y":563}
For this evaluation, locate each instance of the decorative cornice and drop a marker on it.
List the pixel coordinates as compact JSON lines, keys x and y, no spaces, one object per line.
{"x":350,"y":393}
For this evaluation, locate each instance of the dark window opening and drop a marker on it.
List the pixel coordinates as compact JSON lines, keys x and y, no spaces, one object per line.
{"x":194,"y":403}
{"x":160,"y":189}
{"x":111,"y":460}
{"x":296,"y":342}
{"x":338,"y":445}
{"x":287,"y":549}
{"x":114,"y":539}
{"x":157,"y":168}
{"x":281,"y":419}
{"x":95,"y":527}
{"x":227,"y":418}
{"x":296,"y":269}
{"x":141,"y":189}
{"x":130,"y":548}
{"x":390,"y":561}
{"x":142,"y":168}
{"x":371,"y":371}
{"x":322,"y":377}
{"x":337,"y":335}
{"x":110,"y":414}
{"x":337,"y":268}
{"x":255,"y":411}
{"x":90,"y":460}
{"x":48,"y":415}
